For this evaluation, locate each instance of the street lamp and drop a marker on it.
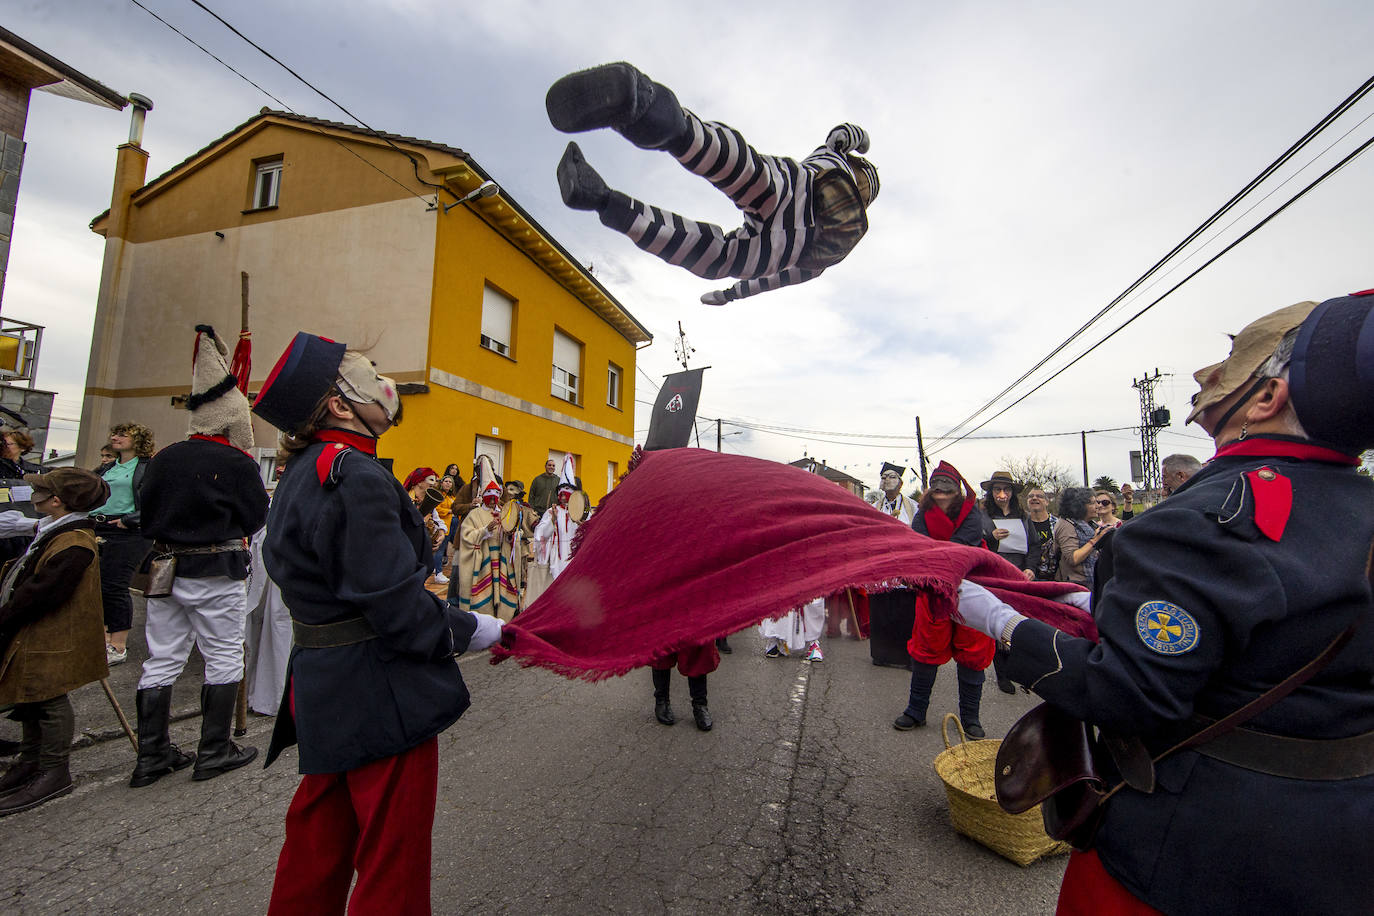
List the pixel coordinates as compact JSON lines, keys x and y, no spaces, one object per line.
{"x":485,"y":189}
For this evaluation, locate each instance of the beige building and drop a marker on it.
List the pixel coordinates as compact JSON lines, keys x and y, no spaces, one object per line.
{"x":503,"y":343}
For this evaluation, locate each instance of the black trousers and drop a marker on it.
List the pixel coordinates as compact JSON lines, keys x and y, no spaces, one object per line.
{"x":48,"y":729}
{"x":121,"y":553}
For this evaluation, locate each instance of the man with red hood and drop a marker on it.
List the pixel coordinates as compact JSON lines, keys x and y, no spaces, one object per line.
{"x":949,"y":512}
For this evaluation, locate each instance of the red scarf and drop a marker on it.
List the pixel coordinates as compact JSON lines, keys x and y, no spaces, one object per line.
{"x":651,"y":574}
{"x":939,"y":524}
{"x":222,"y":440}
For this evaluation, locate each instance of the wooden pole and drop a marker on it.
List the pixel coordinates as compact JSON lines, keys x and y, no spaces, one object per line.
{"x":123,"y":720}
{"x":241,"y":709}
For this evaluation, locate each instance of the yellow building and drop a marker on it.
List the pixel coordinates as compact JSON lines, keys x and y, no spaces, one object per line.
{"x":502,"y":342}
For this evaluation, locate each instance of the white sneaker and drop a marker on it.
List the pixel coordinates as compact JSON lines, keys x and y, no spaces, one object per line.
{"x":115,"y":657}
{"x":441,"y":578}
{"x":815,"y":654}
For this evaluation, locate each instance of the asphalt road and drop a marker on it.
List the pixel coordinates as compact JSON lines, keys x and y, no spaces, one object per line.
{"x":567,"y":797}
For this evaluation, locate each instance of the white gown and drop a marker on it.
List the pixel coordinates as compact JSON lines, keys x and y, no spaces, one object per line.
{"x":798,"y":628}
{"x":269,"y":635}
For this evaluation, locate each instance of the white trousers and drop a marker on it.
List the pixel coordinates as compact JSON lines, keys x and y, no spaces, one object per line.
{"x":207,"y":613}
{"x":799,"y":628}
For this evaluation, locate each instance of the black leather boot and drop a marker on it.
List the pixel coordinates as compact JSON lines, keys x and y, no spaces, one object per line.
{"x":970,"y":699}
{"x":662,"y":711}
{"x":217,"y":754}
{"x":620,"y":97}
{"x":696,"y":687}
{"x":157,"y":755}
{"x":47,"y":785}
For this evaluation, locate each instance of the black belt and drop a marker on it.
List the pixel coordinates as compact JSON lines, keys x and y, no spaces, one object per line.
{"x":188,"y":550}
{"x":1323,"y":759}
{"x":328,"y":635}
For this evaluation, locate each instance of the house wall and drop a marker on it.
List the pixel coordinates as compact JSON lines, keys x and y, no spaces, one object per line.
{"x":474,"y":390}
{"x":351,"y":259}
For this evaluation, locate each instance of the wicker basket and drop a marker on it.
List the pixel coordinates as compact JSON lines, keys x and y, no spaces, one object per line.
{"x":967,"y":770}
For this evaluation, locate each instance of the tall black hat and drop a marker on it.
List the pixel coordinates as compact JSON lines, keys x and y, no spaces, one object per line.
{"x":1331,"y":375}
{"x":299,"y":381}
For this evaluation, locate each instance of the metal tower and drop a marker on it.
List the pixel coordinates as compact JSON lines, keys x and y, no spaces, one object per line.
{"x":1151,"y":420}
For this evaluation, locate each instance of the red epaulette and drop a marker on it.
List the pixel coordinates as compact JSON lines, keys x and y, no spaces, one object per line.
{"x":1273,"y":501}
{"x":327,"y":464}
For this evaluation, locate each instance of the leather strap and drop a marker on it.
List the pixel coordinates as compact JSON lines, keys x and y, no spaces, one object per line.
{"x":329,"y":635}
{"x":186,"y":550}
{"x":1294,"y":758}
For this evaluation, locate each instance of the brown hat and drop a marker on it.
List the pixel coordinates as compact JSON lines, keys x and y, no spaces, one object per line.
{"x":1249,"y":349}
{"x":79,"y":489}
{"x":1004,"y":478}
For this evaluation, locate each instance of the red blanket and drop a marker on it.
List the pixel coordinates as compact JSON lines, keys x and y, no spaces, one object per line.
{"x":694,"y":545}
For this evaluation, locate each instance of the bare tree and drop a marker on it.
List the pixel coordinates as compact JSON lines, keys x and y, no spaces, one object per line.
{"x":1037,"y":470}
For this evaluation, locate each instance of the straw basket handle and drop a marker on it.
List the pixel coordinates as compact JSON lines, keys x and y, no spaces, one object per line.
{"x":944,"y":729}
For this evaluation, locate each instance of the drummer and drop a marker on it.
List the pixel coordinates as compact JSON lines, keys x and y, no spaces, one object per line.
{"x":518,"y":520}
{"x":484,"y":580}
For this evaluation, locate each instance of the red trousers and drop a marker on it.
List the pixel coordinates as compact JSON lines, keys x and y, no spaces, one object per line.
{"x":934,"y":642}
{"x":692,"y":662}
{"x":1087,"y":890}
{"x":377,"y":820}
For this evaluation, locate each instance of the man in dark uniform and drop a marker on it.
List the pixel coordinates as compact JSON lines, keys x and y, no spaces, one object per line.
{"x":202,"y":499}
{"x":372,"y":678}
{"x":1241,"y":578}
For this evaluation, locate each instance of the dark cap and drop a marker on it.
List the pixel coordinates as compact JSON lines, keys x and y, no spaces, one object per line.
{"x":898,"y":468}
{"x":1331,"y":375}
{"x":79,"y":489}
{"x":302,"y":377}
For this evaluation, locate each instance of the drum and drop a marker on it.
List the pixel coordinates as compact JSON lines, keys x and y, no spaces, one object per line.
{"x":510,"y":516}
{"x":577,"y":505}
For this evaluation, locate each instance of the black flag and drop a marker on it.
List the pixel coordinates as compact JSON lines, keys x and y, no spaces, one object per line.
{"x":675,"y":411}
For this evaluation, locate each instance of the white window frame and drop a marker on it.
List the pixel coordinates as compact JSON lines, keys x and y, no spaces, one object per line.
{"x":269,"y":174}
{"x":614,"y":378}
{"x":565,"y":381}
{"x":498,"y":320}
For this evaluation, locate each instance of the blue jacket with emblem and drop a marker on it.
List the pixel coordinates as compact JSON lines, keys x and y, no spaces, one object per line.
{"x":345,"y":541}
{"x":1204,"y":613}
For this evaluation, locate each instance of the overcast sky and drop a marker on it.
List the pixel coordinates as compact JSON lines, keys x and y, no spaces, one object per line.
{"x":1035,"y":159}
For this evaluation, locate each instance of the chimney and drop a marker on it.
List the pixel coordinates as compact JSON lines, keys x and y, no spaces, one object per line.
{"x":142,"y":105}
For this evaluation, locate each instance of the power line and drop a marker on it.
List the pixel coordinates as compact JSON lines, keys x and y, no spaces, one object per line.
{"x":1119,"y":328}
{"x":287,"y":107}
{"x":1264,"y":174}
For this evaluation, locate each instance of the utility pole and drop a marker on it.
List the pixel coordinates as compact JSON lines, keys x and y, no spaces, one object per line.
{"x":1083,"y":438}
{"x":717,"y":433}
{"x":921,"y":454}
{"x":1152,"y":419}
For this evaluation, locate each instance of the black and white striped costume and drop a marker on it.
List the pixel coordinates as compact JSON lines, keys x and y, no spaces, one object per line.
{"x":799,"y":217}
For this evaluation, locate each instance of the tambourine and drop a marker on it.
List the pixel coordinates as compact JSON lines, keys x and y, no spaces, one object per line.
{"x":577,"y":504}
{"x":510,"y":516}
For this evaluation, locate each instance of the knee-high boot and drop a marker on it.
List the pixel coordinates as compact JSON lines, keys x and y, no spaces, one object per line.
{"x":217,"y":754}
{"x":970,"y":699}
{"x":696,"y":687}
{"x":918,"y":700}
{"x":157,"y":755}
{"x":662,"y":711}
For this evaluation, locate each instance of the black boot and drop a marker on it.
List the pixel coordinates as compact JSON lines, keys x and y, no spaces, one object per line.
{"x":217,"y":754}
{"x":723,"y":646}
{"x":582,"y":188}
{"x":157,"y":755}
{"x":696,"y":686}
{"x":918,"y":698}
{"x":22,"y":771}
{"x":662,"y":711}
{"x":620,"y":97}
{"x":47,"y":785}
{"x":970,"y":698}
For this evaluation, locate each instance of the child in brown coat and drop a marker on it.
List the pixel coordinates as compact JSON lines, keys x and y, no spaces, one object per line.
{"x":51,"y":634}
